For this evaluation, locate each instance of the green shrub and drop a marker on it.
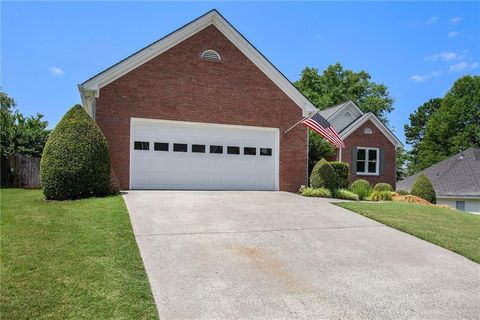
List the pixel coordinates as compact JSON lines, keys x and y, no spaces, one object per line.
{"x":345,"y":194}
{"x":423,"y":188}
{"x":75,"y":162}
{"x":341,"y":174}
{"x":322,"y":175}
{"x":402,"y":192}
{"x":381,"y":196}
{"x":382,"y":187}
{"x":320,"y":192}
{"x":361,"y":188}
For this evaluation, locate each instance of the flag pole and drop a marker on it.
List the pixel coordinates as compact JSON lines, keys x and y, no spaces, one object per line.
{"x":300,"y":121}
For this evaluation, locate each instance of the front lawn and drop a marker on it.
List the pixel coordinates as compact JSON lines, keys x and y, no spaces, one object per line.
{"x":451,"y":229}
{"x":70,"y":259}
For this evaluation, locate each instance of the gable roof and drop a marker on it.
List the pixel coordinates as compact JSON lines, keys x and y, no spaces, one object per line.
{"x":93,"y":85}
{"x":457,"y":176}
{"x":332,"y":112}
{"x":329,"y":113}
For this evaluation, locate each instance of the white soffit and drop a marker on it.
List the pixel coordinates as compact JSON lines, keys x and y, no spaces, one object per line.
{"x":370,"y":116}
{"x":212,"y":17}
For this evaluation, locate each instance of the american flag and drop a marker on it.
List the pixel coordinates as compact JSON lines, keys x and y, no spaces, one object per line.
{"x":321,"y":126}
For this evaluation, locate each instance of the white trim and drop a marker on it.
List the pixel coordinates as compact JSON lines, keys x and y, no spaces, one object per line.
{"x":349,"y":103}
{"x":370,"y":116}
{"x":377,"y":162}
{"x":204,"y":124}
{"x":218,"y":56}
{"x":211,"y":18}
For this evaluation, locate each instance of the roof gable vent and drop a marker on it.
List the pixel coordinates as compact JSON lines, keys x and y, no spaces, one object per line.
{"x":211,"y":55}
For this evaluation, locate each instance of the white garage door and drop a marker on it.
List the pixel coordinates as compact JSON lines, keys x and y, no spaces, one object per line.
{"x":187,"y":155}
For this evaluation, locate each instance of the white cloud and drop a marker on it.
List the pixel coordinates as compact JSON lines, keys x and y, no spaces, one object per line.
{"x":444,"y":56}
{"x":431,"y":20}
{"x":459,"y":67}
{"x":425,"y":77}
{"x":452,"y":34}
{"x":56,"y":71}
{"x":462,"y":66}
{"x":455,"y":20}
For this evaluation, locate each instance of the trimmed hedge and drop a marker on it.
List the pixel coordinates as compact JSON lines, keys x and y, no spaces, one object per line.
{"x":402,"y":192}
{"x":320,"y":192}
{"x":361,"y":187}
{"x":423,"y":188}
{"x":381,"y":196}
{"x":382,"y":187}
{"x":345,"y":194}
{"x":341,"y":174}
{"x":322,"y":176}
{"x":76,"y":161}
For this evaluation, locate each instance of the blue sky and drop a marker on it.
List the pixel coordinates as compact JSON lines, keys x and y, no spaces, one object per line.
{"x":417,"y":49}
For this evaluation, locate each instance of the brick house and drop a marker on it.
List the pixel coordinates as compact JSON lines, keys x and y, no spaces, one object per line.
{"x":370,"y":147}
{"x":201,"y":108}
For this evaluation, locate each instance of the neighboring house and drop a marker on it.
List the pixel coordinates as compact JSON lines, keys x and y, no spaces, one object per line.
{"x":456,"y":180}
{"x":201,"y":108}
{"x":370,"y":147}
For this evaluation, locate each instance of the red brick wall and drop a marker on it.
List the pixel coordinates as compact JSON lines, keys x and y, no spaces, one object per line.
{"x":378,"y":140}
{"x":178,"y":85}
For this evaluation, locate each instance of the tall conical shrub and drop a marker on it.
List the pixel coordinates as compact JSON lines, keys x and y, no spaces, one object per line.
{"x":322,"y":175}
{"x":423,"y":188}
{"x":75,"y":161}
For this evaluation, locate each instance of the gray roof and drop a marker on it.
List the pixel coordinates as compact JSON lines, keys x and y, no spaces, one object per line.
{"x":326,"y":113}
{"x":456,"y":176}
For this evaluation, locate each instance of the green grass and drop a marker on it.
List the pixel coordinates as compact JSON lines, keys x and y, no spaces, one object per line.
{"x":70,"y":260}
{"x":451,"y":229}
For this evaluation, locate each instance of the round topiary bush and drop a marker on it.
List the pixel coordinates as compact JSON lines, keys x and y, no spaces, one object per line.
{"x":75,"y":161}
{"x":382,"y":187}
{"x":322,"y":175}
{"x":423,"y":188}
{"x":361,"y":188}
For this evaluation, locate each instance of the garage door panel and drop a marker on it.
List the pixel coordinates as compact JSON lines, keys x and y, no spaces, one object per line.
{"x":152,"y":169}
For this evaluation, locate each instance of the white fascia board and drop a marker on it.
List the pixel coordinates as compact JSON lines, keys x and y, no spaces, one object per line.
{"x":346,"y":105}
{"x":370,"y":116}
{"x":213,"y":17}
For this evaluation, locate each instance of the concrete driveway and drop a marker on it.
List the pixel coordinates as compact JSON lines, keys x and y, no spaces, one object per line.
{"x":276,"y":255}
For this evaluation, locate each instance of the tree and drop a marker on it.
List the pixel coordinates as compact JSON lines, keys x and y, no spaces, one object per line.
{"x":415,"y":131}
{"x":454,"y":126}
{"x":318,"y":148}
{"x":334,"y":86}
{"x":403,"y":163}
{"x":20,"y":134}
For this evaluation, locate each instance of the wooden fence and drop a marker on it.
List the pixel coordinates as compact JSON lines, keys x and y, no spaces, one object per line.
{"x":20,"y":171}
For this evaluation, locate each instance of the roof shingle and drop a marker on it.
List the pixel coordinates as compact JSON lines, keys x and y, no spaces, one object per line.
{"x":457,"y":176}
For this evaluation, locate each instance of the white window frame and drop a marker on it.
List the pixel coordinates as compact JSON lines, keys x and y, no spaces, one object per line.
{"x":377,"y":162}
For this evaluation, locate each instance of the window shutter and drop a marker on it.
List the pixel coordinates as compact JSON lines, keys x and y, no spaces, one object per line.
{"x":354,"y":160}
{"x":382,"y":161}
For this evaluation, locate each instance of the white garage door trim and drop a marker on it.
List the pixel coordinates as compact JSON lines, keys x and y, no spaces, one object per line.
{"x":275,"y":131}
